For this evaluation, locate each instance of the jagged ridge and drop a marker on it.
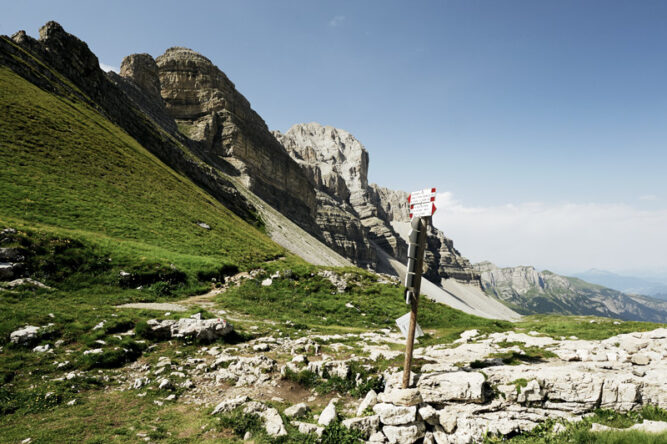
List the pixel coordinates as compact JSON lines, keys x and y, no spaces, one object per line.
{"x":530,"y":291}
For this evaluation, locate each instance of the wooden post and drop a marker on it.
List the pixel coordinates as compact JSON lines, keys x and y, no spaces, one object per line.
{"x":414,"y":301}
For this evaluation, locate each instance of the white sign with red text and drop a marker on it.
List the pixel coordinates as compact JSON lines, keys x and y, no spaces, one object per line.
{"x":422,"y":203}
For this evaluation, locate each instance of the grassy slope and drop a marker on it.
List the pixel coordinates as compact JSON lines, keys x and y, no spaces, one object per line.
{"x":89,"y":201}
{"x":65,"y":169}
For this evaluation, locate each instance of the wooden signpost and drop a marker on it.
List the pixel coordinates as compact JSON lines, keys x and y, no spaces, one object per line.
{"x":421,"y":210}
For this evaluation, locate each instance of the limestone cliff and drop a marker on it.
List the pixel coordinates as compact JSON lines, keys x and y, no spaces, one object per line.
{"x":338,"y":165}
{"x":209,"y":110}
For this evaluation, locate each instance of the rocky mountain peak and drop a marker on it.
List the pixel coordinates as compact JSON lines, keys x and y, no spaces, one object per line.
{"x":231,"y":135}
{"x":336,"y":149}
{"x":193,"y":87}
{"x":56,"y":40}
{"x":142,"y":69}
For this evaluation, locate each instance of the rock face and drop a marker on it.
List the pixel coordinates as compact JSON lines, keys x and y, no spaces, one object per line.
{"x":532,"y":291}
{"x":209,"y":110}
{"x":140,"y":80}
{"x":338,"y":164}
{"x":142,"y":69}
{"x":355,"y":216}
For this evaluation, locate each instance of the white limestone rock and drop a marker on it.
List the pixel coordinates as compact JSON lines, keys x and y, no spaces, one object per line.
{"x":404,"y":434}
{"x":368,"y":402}
{"x":24,"y":335}
{"x":438,"y":388}
{"x":328,"y":414}
{"x":395,"y":415}
{"x":400,"y":396}
{"x":377,"y":438}
{"x":307,"y":428}
{"x":367,"y":425}
{"x":297,"y":410}
{"x":429,"y":414}
{"x":273,"y":422}
{"x":229,"y":404}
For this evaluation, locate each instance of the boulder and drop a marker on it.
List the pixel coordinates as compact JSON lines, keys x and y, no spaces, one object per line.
{"x":429,"y":414}
{"x":201,"y":329}
{"x":25,"y":335}
{"x":368,"y":402}
{"x":9,"y":271}
{"x":395,"y":415}
{"x":297,"y":410}
{"x":10,"y":255}
{"x":400,"y":396}
{"x":620,"y":393}
{"x":328,"y":414}
{"x":140,"y":382}
{"x":28,"y":282}
{"x":640,"y":359}
{"x":307,"y":428}
{"x":273,"y":422}
{"x":229,"y":404}
{"x":377,"y":438}
{"x":247,"y":370}
{"x":165,"y":384}
{"x":447,"y":420}
{"x":367,"y":425}
{"x":530,"y":393}
{"x":334,"y":368}
{"x":438,"y":388}
{"x":335,"y":279}
{"x":404,"y":434}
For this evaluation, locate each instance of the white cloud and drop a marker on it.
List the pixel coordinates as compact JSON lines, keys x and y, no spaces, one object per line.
{"x":108,"y":68}
{"x":337,"y":21}
{"x":563,"y":237}
{"x":648,"y":197}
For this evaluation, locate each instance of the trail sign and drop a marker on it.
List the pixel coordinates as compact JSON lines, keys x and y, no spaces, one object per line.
{"x":421,"y":196}
{"x":422,"y":203}
{"x":422,"y":208}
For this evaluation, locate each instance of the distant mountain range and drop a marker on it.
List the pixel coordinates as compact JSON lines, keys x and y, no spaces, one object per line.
{"x":529,"y":291}
{"x":626,"y":284}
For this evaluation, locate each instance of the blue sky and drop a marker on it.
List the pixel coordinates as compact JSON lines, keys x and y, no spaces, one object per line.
{"x":545,"y":108}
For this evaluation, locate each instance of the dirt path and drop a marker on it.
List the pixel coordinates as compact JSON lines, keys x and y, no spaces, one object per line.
{"x":159,"y":306}
{"x":202,"y":300}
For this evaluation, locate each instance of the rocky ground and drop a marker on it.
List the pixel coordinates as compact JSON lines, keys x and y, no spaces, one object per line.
{"x":496,"y":384}
{"x":293,"y":380}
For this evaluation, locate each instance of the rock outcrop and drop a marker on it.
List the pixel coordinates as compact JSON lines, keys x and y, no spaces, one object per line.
{"x":450,"y":400}
{"x":234,"y":138}
{"x":337,"y":163}
{"x":531,"y":291}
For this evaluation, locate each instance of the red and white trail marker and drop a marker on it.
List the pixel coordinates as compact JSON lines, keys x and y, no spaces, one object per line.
{"x":421,"y":196}
{"x":422,"y":203}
